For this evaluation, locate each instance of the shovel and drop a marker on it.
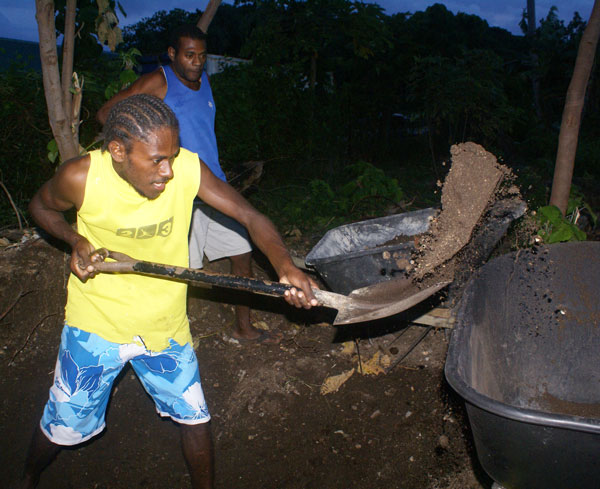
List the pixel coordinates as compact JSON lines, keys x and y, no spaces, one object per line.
{"x":365,"y":304}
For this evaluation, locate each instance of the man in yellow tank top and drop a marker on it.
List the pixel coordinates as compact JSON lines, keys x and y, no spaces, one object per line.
{"x":136,"y":196}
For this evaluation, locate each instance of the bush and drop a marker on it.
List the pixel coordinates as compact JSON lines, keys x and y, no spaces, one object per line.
{"x":24,"y":134}
{"x":364,"y":192}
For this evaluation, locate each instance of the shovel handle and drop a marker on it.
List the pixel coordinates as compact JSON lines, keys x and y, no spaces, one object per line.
{"x":125,"y":264}
{"x":350,"y":309}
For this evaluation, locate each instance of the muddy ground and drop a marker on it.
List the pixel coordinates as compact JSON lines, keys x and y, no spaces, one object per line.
{"x":273,"y":426}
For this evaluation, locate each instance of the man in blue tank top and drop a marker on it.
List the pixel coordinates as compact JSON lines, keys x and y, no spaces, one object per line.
{"x":185,"y":87}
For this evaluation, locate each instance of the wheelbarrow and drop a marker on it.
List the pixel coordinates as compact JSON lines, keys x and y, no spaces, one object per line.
{"x":368,"y":252}
{"x":378,"y":250}
{"x":362,"y":304}
{"x":524,"y":357}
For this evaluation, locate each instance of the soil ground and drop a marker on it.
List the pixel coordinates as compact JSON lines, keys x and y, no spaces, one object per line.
{"x":273,"y":428}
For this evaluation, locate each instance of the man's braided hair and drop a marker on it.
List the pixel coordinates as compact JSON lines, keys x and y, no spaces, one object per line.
{"x":134,"y":118}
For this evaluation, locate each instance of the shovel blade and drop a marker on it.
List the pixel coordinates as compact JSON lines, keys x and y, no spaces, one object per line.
{"x":357,"y":310}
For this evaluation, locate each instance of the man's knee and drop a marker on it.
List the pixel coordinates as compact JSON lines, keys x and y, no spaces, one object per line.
{"x":197,"y":436}
{"x":241,"y":264}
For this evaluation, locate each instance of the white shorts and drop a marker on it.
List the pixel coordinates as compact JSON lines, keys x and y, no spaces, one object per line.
{"x":215,"y":235}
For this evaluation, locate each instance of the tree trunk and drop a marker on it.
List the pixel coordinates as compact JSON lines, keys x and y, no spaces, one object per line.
{"x":535,"y":79}
{"x":313,"y":70}
{"x":571,"y":118}
{"x":60,"y":121}
{"x":530,"y":17}
{"x":67,"y":57}
{"x":207,"y":16}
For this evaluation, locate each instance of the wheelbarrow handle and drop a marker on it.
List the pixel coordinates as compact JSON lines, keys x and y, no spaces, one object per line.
{"x":125,"y":264}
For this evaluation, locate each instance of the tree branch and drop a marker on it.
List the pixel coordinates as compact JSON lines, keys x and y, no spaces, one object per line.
{"x":29,"y":336}
{"x":14,"y":303}
{"x":207,"y":16}
{"x":67,"y":56}
{"x":13,"y":205}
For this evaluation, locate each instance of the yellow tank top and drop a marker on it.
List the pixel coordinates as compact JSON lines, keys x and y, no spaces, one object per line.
{"x":122,"y":307}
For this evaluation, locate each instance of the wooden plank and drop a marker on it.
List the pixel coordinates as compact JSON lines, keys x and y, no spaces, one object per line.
{"x":439,"y":318}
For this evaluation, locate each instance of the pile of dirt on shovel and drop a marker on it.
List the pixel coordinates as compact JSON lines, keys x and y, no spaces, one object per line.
{"x":475,"y":181}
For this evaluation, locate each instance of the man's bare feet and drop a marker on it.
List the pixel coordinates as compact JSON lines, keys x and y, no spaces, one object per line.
{"x":261,"y":336}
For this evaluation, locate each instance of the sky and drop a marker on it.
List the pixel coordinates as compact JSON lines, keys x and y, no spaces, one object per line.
{"x":17,"y":17}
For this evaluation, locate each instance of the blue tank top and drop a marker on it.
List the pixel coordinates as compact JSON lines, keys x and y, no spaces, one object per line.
{"x":195,"y":111}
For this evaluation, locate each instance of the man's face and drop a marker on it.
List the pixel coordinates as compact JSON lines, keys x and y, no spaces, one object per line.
{"x":148,"y":166}
{"x":188,"y":61}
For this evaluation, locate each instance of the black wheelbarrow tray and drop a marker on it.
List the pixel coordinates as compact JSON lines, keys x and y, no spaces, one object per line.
{"x":367,"y":252}
{"x":525,"y":356}
{"x":375,"y":251}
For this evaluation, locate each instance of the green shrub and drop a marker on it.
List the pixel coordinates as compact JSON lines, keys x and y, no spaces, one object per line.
{"x":24,"y":133}
{"x":319,"y":205}
{"x":556,"y":228}
{"x":368,"y":191}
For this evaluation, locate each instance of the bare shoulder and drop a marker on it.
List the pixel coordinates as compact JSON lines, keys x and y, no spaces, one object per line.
{"x":153,"y":83}
{"x":70,"y":179}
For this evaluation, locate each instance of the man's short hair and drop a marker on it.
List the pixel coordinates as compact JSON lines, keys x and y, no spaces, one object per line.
{"x":135,"y":118}
{"x":185,"y":30}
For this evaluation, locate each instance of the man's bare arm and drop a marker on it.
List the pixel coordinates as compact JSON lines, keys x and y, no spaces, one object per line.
{"x":152,"y":84}
{"x":65,"y":190}
{"x":226,"y":199}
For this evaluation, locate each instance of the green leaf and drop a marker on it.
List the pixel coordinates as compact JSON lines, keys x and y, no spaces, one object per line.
{"x":127,"y":77}
{"x":562,"y":232}
{"x":556,"y":228}
{"x":551,"y":214}
{"x":52,"y":148}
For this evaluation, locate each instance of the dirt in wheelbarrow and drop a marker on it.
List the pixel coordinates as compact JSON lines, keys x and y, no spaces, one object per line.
{"x":350,"y":407}
{"x":472,"y":184}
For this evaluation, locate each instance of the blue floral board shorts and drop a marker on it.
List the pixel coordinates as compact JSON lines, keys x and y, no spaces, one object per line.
{"x":86,"y":368}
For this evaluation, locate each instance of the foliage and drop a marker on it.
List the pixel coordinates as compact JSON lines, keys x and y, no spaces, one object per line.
{"x":555,"y":228}
{"x":23,"y":138}
{"x":95,"y":25}
{"x":128,"y":75}
{"x":316,"y":208}
{"x":364,"y":192}
{"x":462,"y":98}
{"x":556,"y":48}
{"x":366,"y":184}
{"x":151,"y":34}
{"x":228,"y":30}
{"x":260,"y":115}
{"x":337,"y":81}
{"x":52,"y":148}
{"x":577,"y":204}
{"x":106,"y":25}
{"x":30,"y":152}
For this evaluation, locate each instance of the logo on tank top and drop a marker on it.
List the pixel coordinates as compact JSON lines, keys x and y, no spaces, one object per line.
{"x":161,"y":230}
{"x":210,"y":104}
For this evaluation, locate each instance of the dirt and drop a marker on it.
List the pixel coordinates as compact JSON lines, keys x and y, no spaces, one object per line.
{"x":468,"y":190}
{"x":360,"y":406}
{"x":401,"y":426}
{"x":553,"y":404}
